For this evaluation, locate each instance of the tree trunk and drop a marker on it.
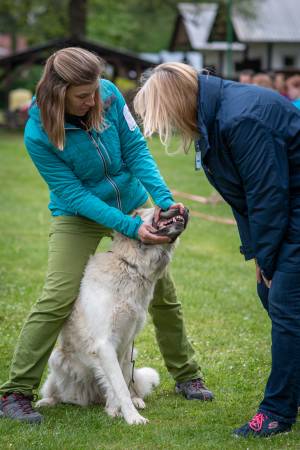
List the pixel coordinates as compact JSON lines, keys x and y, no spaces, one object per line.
{"x":77,"y":17}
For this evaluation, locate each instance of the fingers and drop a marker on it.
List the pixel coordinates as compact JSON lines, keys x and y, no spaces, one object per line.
{"x":178,"y":205}
{"x":260,"y":277}
{"x":146,"y":235}
{"x":266,"y":281}
{"x":157,"y":211}
{"x":258,"y":272}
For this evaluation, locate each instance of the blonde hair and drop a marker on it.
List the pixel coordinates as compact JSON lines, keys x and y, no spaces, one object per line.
{"x":72,"y":66}
{"x":167,"y":102}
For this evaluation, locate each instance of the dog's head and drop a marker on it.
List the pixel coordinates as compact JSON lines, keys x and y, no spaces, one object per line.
{"x":152,"y":258}
{"x":171,"y":223}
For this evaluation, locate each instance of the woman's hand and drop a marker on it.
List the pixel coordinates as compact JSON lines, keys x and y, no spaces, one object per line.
{"x":178,"y":205}
{"x":145,"y":234}
{"x":267,"y":282}
{"x":258,"y":272}
{"x":175,"y":205}
{"x":260,"y":276}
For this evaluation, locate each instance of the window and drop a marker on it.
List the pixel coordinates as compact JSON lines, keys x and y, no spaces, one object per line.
{"x":289,"y":61}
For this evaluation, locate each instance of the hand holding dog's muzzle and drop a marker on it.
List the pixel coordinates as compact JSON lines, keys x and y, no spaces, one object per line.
{"x":147,"y":234}
{"x":172,"y":222}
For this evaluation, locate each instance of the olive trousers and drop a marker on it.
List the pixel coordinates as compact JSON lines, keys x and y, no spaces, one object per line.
{"x":72,"y":240}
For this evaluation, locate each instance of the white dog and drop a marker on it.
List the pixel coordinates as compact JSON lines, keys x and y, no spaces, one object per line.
{"x":93,"y":360}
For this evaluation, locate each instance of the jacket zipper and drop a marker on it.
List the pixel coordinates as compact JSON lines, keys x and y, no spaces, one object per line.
{"x":105,"y":149}
{"x":111,"y":181}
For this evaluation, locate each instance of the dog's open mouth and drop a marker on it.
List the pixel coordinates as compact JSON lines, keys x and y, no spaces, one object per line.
{"x":163,"y":223}
{"x":171,"y":223}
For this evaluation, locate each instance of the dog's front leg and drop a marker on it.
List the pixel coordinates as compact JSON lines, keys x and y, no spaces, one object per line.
{"x":112,"y":406}
{"x":110,"y":367}
{"x":128,"y":373}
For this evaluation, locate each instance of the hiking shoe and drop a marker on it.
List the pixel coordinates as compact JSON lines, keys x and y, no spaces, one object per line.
{"x":18,"y":407}
{"x":194,"y":390}
{"x":262,"y":426}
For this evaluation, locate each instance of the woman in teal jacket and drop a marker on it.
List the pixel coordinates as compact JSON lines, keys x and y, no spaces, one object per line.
{"x":98,"y":171}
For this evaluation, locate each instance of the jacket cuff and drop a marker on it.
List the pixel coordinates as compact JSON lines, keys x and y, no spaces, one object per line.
{"x":134,"y":228}
{"x":248,"y":254}
{"x":268,"y":274}
{"x":134,"y":233}
{"x":267,"y":269}
{"x":166,"y":204}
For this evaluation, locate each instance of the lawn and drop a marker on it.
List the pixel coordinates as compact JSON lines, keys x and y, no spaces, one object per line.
{"x":224,"y":319}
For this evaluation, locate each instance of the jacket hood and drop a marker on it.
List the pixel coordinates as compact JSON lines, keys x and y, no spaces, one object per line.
{"x":209,"y":97}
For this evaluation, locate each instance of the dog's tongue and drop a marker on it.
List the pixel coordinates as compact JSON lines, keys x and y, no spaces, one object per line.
{"x":171,"y":223}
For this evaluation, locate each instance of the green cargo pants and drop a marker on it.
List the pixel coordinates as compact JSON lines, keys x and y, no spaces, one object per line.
{"x":71,"y":241}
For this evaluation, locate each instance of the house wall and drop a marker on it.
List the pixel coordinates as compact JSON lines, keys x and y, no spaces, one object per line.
{"x":283,"y":50}
{"x":258,"y":51}
{"x":278,"y":53}
{"x":255,"y":51}
{"x":211,"y":58}
{"x":180,"y":40}
{"x":219,"y":60}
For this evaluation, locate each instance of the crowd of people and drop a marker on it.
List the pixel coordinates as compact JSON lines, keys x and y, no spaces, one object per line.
{"x":288,"y":86}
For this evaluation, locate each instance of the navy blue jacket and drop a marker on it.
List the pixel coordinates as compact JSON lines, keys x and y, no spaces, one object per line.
{"x":250,"y":151}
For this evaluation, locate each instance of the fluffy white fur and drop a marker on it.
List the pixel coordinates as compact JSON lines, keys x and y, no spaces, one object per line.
{"x":92,"y":363}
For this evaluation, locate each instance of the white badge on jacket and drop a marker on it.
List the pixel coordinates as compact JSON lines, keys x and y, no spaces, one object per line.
{"x":129,"y":118}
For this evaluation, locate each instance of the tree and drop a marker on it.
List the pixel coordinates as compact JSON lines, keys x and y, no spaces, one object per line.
{"x":77,"y":17}
{"x":12,"y":13}
{"x":139,"y":25}
{"x":36,"y":20}
{"x":142,"y":25}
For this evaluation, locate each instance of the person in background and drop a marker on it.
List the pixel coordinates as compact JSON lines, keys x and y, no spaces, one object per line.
{"x":263,"y":80}
{"x":86,"y":145}
{"x":247,"y":140}
{"x":279,"y":83}
{"x":246,"y":76}
{"x":293,"y":89}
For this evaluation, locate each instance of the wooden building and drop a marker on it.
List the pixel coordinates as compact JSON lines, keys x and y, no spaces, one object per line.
{"x":268,"y":40}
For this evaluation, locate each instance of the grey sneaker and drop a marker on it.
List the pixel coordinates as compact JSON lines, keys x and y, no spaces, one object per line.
{"x":18,"y":407}
{"x":194,"y":390}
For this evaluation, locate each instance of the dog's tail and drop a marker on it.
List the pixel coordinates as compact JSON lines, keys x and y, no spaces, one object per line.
{"x":145,"y":380}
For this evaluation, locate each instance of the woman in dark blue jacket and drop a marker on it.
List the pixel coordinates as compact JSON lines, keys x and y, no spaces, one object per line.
{"x":247,"y":140}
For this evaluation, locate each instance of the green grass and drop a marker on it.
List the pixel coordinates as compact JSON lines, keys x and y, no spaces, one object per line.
{"x":224,"y":319}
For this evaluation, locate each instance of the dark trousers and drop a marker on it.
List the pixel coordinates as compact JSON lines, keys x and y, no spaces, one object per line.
{"x":282,"y":302}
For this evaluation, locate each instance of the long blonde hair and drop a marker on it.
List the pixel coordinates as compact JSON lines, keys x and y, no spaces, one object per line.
{"x":167,"y":102}
{"x":72,"y":66}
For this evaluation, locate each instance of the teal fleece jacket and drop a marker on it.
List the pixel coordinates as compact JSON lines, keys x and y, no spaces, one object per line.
{"x":101,"y":175}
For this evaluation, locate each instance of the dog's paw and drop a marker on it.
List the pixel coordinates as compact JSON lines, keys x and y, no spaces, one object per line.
{"x":135,"y":419}
{"x":47,"y":401}
{"x":138,"y":403}
{"x":113,"y":411}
